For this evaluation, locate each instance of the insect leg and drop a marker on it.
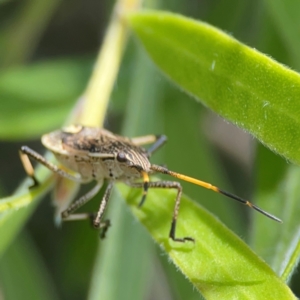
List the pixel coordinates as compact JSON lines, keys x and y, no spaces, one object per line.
{"x":168,"y":185}
{"x":144,"y":140}
{"x":158,"y":140}
{"x":27,"y":165}
{"x":103,"y":204}
{"x":26,"y":153}
{"x":68,"y":213}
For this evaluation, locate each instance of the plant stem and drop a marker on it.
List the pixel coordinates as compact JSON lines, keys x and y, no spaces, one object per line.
{"x":100,"y":86}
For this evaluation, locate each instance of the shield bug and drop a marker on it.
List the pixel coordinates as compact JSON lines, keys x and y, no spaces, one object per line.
{"x":95,"y":154}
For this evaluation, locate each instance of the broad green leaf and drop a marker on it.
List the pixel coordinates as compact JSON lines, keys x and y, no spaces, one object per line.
{"x":38,"y":97}
{"x":219,"y":264}
{"x":237,"y":82}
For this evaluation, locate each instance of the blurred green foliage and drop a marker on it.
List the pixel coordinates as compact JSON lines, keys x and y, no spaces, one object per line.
{"x":37,"y":91}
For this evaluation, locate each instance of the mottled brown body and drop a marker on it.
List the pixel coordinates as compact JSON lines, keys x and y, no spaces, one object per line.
{"x":97,"y":154}
{"x":94,"y":153}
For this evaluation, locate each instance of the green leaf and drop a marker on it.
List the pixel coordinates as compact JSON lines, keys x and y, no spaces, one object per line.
{"x":218,"y":263}
{"x":288,"y":247}
{"x":16,"y":209}
{"x":38,"y":97}
{"x":278,"y":192}
{"x":264,"y":238}
{"x":237,"y":82}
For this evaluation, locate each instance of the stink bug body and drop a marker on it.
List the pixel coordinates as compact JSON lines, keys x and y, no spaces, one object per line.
{"x":96,"y":154}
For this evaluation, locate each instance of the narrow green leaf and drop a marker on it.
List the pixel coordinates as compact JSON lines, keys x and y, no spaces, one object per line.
{"x":239,"y":83}
{"x":288,"y":249}
{"x":37,"y":97}
{"x":16,"y":209}
{"x":269,"y":185}
{"x":278,"y":192}
{"x":219,"y":264}
{"x":292,"y":259}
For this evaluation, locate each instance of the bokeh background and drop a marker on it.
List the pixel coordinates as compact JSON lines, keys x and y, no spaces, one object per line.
{"x":47,"y":50}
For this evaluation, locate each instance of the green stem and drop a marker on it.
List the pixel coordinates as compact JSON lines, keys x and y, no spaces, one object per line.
{"x":99,"y":89}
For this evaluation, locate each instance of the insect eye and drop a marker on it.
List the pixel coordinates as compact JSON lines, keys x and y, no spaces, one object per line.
{"x":121,"y":157}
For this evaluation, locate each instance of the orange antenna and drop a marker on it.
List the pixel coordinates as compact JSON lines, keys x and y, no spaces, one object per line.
{"x":209,"y":186}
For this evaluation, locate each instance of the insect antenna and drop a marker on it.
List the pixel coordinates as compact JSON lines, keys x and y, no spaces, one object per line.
{"x":209,"y":186}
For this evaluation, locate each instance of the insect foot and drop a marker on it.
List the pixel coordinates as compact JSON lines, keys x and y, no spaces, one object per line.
{"x":181,"y":240}
{"x":104,"y":225}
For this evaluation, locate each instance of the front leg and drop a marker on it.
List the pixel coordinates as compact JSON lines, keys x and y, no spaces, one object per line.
{"x":26,"y":153}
